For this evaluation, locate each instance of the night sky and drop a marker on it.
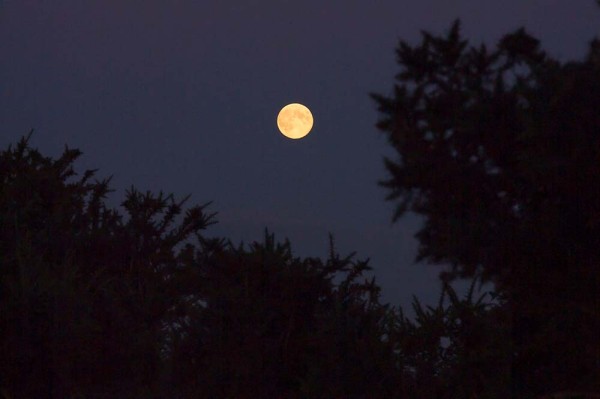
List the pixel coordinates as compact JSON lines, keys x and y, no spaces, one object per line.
{"x":183,"y":95}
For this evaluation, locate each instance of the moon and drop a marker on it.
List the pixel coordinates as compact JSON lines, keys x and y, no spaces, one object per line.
{"x":294,"y":121}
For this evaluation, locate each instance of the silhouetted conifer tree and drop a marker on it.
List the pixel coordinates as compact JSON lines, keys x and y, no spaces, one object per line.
{"x":85,"y":290}
{"x":458,"y":349}
{"x":499,"y":150}
{"x":267,"y":324}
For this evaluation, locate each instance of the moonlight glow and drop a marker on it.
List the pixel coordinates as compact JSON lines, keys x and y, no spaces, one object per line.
{"x":294,"y":121}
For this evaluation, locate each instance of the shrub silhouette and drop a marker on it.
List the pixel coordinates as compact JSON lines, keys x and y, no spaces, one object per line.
{"x":98,"y":302}
{"x":84,"y":289}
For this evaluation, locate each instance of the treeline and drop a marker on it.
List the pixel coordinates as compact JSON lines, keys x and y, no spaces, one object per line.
{"x":137,"y":303}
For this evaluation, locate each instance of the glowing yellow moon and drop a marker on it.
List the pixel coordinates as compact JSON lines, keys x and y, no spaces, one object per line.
{"x":294,"y":121}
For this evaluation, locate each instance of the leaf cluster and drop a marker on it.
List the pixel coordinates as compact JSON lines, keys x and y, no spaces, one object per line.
{"x":499,"y":150}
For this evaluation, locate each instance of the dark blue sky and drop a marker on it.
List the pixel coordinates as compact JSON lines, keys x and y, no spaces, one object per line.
{"x":182,"y":96}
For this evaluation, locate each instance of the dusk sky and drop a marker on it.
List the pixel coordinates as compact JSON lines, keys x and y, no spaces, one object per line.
{"x":182,"y":96}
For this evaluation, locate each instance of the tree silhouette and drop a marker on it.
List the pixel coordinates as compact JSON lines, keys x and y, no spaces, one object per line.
{"x":458,"y":349}
{"x":137,"y":303}
{"x":84,"y":290}
{"x":267,"y":324}
{"x":500,"y":151}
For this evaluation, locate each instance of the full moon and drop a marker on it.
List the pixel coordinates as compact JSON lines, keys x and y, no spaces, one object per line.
{"x":294,"y":121}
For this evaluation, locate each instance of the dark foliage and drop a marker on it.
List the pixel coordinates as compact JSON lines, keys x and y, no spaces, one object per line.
{"x":84,"y":290}
{"x":500,"y":151}
{"x":137,"y":303}
{"x":267,"y":324}
{"x":458,"y":349}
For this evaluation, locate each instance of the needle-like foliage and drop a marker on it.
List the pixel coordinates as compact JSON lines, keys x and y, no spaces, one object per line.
{"x":499,"y":150}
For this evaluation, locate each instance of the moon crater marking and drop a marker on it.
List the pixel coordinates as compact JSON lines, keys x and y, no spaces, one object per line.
{"x":295,"y":121}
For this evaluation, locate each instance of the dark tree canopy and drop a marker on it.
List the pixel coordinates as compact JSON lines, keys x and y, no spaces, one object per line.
{"x":84,"y":289}
{"x":267,"y":324}
{"x":499,"y":150}
{"x":137,"y":302}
